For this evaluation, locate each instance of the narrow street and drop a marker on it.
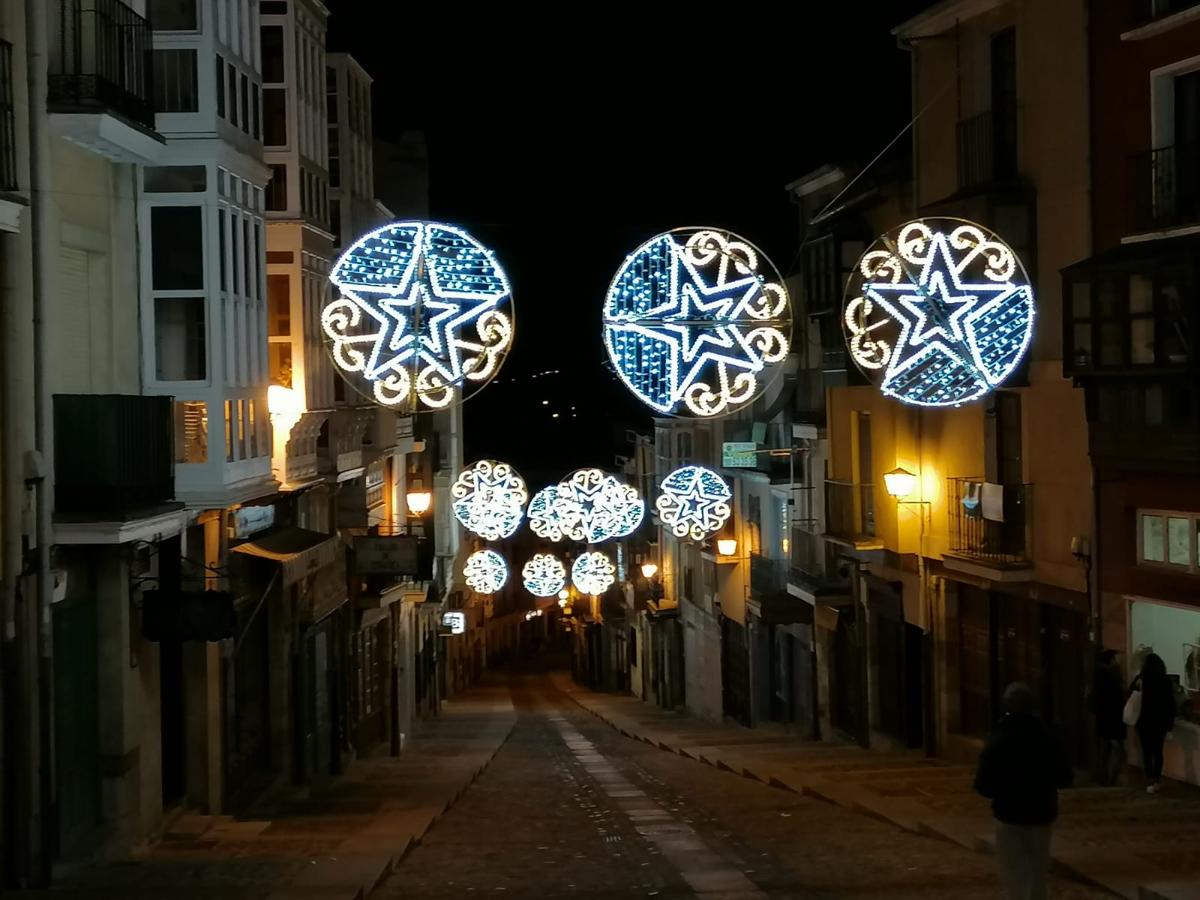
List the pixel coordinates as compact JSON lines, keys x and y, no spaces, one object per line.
{"x":571,"y":808}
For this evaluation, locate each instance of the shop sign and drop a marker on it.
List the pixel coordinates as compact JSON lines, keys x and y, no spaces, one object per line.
{"x":250,"y":520}
{"x":393,"y":555}
{"x":738,"y":454}
{"x":454,"y":622}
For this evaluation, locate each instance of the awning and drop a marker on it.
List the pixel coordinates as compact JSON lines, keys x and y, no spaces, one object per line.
{"x":298,"y":551}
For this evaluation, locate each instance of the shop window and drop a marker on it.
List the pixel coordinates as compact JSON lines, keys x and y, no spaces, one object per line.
{"x":1172,"y":632}
{"x":1169,"y":539}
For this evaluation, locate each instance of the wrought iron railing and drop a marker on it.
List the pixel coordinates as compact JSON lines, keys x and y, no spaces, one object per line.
{"x":1166,"y":187}
{"x":767,"y":575}
{"x":849,"y":509}
{"x":113,"y":454}
{"x":101,"y":57}
{"x":8,"y":133}
{"x":986,"y":149}
{"x":990,"y":521}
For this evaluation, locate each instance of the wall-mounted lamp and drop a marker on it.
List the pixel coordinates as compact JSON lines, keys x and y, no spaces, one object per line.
{"x":419,"y":499}
{"x":649,"y":570}
{"x":727,"y":546}
{"x":899,"y":482}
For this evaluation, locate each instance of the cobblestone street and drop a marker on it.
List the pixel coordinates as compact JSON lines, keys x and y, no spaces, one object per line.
{"x":571,"y":808}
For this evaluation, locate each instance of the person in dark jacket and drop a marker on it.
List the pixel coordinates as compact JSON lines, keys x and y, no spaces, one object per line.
{"x":1157,"y":718}
{"x":1108,"y":705}
{"x":1020,"y":771}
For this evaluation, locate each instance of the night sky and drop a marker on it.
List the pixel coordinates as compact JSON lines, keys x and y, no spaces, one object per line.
{"x":565,"y":141}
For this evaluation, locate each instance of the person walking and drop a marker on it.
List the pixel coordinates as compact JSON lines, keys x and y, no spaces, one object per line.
{"x":1108,"y":705}
{"x":1155,"y":719}
{"x":1021,"y":770}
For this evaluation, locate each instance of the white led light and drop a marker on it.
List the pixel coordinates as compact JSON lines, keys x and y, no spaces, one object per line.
{"x":697,"y":322}
{"x":544,"y":575}
{"x":485,"y":571}
{"x":593,"y":506}
{"x":694,"y":502}
{"x":593,"y":573}
{"x":489,"y":499}
{"x":422,"y":317}
{"x":939,"y":312}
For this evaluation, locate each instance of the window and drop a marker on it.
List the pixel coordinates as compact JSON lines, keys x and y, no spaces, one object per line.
{"x":1173,"y":632}
{"x":245,"y":103}
{"x":222,"y":241}
{"x":272,"y":54}
{"x":1169,"y":539}
{"x":331,"y":107}
{"x":173,"y":15}
{"x":229,"y":431}
{"x":275,"y":117}
{"x":175,"y":81}
{"x":177,"y":248}
{"x":241,"y":429}
{"x":179,"y":339}
{"x":175,"y":179}
{"x":279,"y":306}
{"x":191,"y":431}
{"x":256,"y":117}
{"x":273,"y":7}
{"x":220,"y":86}
{"x":247,"y":259}
{"x":231,"y":75}
{"x":277,"y":192}
{"x":252,"y":428}
{"x":335,"y":162}
{"x":335,"y":223}
{"x":259,"y":244}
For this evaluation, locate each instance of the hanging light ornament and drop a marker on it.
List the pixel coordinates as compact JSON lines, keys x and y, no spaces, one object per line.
{"x":485,"y":571}
{"x":422,"y":317}
{"x":489,"y":499}
{"x":938,"y":312}
{"x":697,"y":322}
{"x":544,"y":575}
{"x":694,"y":502}
{"x":593,"y":573}
{"x":593,"y":506}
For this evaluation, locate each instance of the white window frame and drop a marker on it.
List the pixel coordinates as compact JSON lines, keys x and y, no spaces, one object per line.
{"x":1193,"y":565}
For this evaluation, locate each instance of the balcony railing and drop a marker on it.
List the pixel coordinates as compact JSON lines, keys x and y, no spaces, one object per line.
{"x":1166,"y":187}
{"x":113,"y":455}
{"x":101,"y":58}
{"x":8,"y":134}
{"x":987,"y":149}
{"x":849,"y":509}
{"x":990,"y":522}
{"x":767,"y":576}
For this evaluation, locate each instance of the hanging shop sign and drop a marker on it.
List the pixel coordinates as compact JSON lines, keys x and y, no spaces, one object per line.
{"x":250,"y":520}
{"x":938,"y":312}
{"x":489,"y":499}
{"x":401,"y":554}
{"x":694,"y":502}
{"x":697,"y":322}
{"x":454,"y":622}
{"x":422,"y":316}
{"x":739,"y":454}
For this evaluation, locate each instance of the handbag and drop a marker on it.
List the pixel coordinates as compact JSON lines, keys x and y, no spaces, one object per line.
{"x":1133,"y":708}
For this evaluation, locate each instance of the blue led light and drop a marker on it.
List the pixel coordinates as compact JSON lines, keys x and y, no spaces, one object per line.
{"x":593,"y":506}
{"x":939,"y":312}
{"x":422,"y":318}
{"x":544,"y":575}
{"x":697,"y":322}
{"x":593,"y":573}
{"x":694,"y":502}
{"x":544,"y":516}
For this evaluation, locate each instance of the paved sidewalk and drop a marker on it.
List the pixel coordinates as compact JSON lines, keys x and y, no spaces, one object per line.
{"x":334,"y":843}
{"x":1137,"y":846}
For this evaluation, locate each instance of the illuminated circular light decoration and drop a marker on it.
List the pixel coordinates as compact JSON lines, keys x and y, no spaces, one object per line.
{"x":938,"y":312}
{"x":489,"y":499}
{"x":593,"y":573}
{"x":422,"y":318}
{"x":593,"y":506}
{"x":697,"y":322}
{"x":485,"y":571}
{"x":544,"y":575}
{"x":694,"y":502}
{"x":544,"y":516}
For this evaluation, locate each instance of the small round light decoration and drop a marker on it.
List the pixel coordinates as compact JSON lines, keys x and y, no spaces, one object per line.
{"x":593,"y":573}
{"x":694,"y":502}
{"x":938,"y":312}
{"x":485,"y":571}
{"x":593,"y":506}
{"x":489,"y":499}
{"x":697,"y":322}
{"x":544,"y":575}
{"x":422,"y":318}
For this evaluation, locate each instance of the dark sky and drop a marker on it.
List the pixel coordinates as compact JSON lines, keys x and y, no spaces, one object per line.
{"x":564,"y":141}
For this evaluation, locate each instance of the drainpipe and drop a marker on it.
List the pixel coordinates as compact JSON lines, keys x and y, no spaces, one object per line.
{"x":39,"y":155}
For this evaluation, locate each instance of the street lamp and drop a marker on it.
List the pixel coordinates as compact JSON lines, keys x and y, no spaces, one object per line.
{"x":899,"y":482}
{"x":419,"y":499}
{"x":649,"y":569}
{"x":727,"y":546}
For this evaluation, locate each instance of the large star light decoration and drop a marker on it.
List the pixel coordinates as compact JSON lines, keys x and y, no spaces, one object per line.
{"x":489,"y":499}
{"x":694,"y":502}
{"x":697,"y":322}
{"x":593,"y":573}
{"x":544,"y":575}
{"x":485,"y":571}
{"x":939,"y":312}
{"x":422,"y":317}
{"x":593,"y":506}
